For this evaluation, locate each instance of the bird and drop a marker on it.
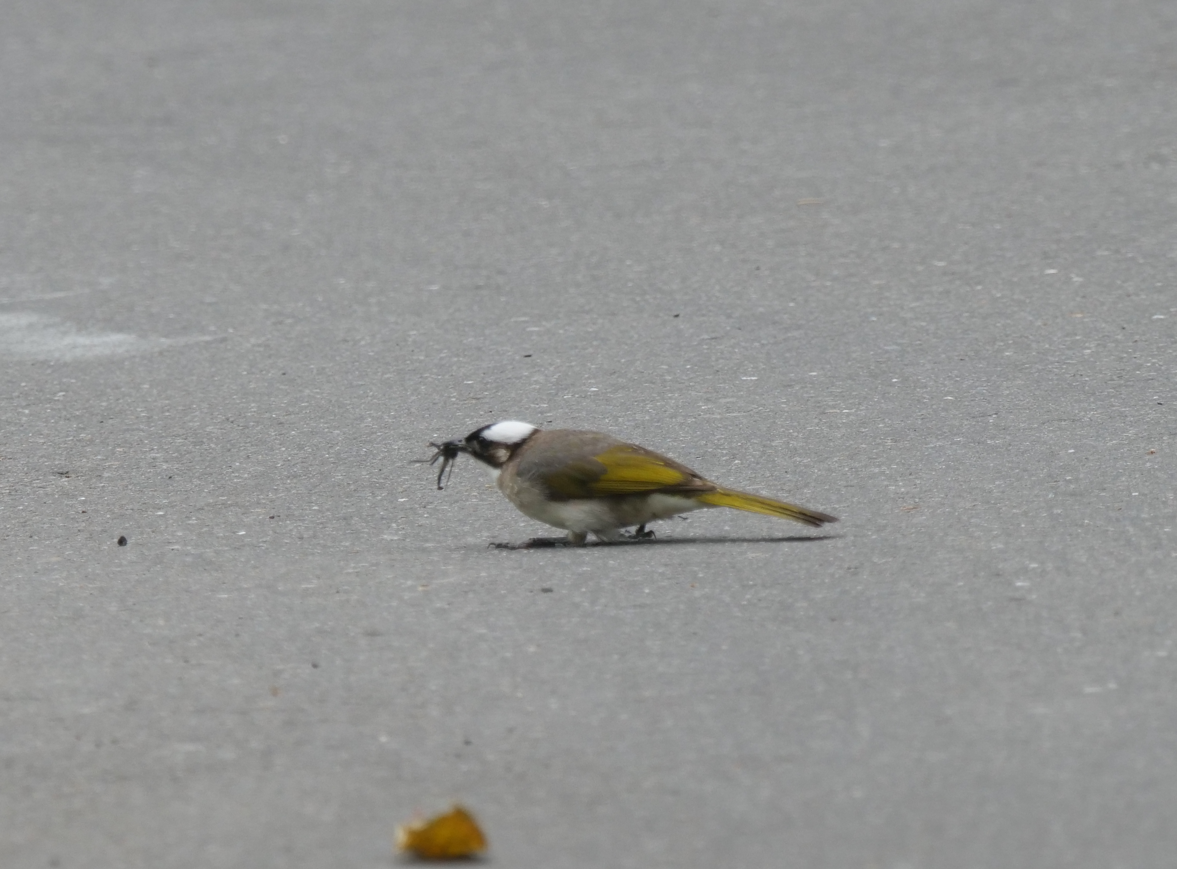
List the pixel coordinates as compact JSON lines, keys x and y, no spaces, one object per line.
{"x":588,"y":482}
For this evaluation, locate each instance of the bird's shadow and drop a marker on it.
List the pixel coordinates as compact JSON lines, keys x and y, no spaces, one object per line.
{"x":671,"y":541}
{"x":664,"y":541}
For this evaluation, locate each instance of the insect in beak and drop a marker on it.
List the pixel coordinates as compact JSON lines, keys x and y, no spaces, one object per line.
{"x":447,"y":452}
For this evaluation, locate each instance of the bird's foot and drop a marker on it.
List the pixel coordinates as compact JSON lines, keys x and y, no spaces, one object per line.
{"x":640,"y":533}
{"x":536,"y":543}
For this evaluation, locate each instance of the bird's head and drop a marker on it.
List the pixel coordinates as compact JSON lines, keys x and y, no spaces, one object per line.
{"x":493,"y":445}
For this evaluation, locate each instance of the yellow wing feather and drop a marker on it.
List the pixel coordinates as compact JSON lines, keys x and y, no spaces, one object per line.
{"x":627,"y":469}
{"x":628,"y":472}
{"x":624,"y":469}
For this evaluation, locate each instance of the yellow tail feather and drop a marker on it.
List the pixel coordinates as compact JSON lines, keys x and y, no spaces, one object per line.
{"x":757,"y":504}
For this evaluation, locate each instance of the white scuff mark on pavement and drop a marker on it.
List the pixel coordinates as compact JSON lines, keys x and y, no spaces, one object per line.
{"x":36,"y":336}
{"x":40,"y":297}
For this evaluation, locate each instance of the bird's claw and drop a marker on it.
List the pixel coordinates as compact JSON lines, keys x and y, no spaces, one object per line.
{"x":640,"y":533}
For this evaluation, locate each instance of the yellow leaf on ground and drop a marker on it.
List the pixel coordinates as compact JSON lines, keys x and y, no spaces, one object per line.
{"x":445,"y":837}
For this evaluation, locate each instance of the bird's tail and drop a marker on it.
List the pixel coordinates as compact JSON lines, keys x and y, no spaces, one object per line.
{"x":755,"y":504}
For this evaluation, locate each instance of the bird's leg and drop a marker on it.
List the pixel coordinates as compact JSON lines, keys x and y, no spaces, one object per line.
{"x":640,"y":533}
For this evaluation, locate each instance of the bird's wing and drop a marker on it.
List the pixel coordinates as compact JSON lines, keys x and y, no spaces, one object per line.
{"x":624,"y":469}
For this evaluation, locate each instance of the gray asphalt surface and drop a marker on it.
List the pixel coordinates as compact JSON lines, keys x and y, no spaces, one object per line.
{"x":911,"y":263}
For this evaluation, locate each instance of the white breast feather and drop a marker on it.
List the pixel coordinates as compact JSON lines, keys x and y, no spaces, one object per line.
{"x":600,"y":514}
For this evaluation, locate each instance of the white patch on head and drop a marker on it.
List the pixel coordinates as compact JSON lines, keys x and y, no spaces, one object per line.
{"x":509,"y":431}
